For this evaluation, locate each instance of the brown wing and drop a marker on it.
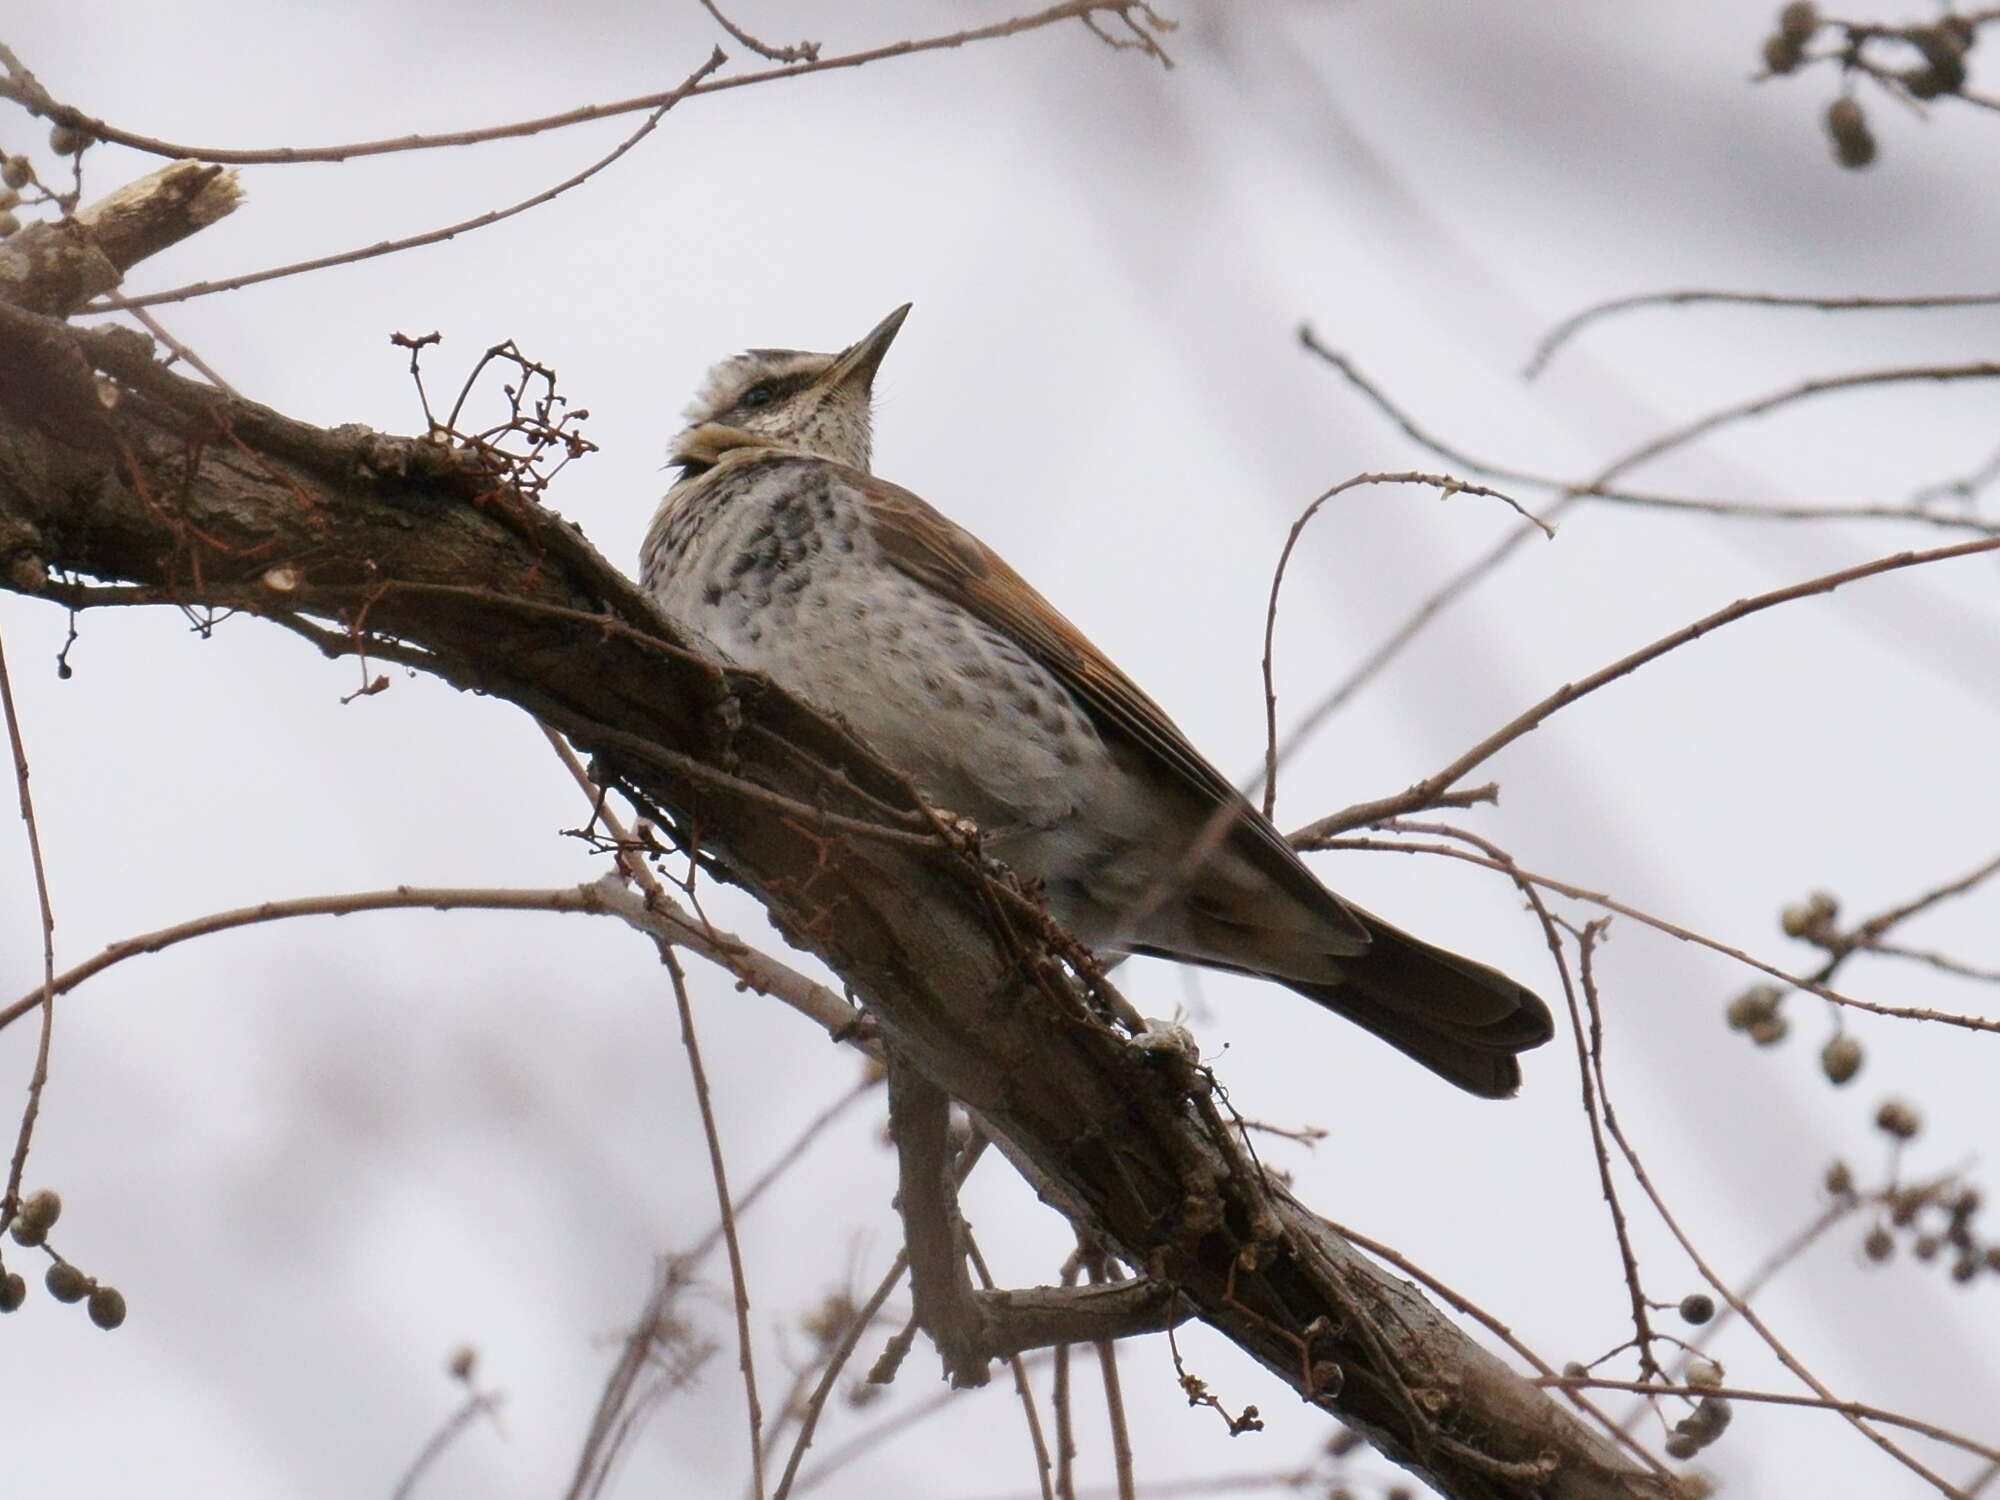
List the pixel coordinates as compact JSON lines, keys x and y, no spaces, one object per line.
{"x":953,"y":563}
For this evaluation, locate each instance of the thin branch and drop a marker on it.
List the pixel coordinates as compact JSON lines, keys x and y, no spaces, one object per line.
{"x":1423,"y":792}
{"x":1856,"y":1409}
{"x":738,"y":1281}
{"x":1447,"y":488}
{"x":1502,"y":1332}
{"x":800,"y":52}
{"x":1023,"y":1387}
{"x":1742,"y":1308}
{"x":37,"y":101}
{"x":835,"y":1363}
{"x":1661,"y":924}
{"x":428,"y":237}
{"x":584,"y":898}
{"x":470,"y":1410}
{"x":1569,"y":327}
{"x":38,"y":1080}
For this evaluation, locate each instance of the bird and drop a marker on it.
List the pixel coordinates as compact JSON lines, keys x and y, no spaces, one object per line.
{"x":779,"y":545}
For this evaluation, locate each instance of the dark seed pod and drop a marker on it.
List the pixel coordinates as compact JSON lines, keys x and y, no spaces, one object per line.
{"x":1840,"y":1059}
{"x":1943,"y":71}
{"x":1755,"y":1005}
{"x":42,"y":1209}
{"x":1697,"y":1307}
{"x":1839,"y":1179}
{"x":107,"y":1307}
{"x":1681,"y":1446}
{"x":13,"y":1291}
{"x":66,"y":140}
{"x":1798,"y":21}
{"x":17,"y":171}
{"x":1896,"y":1118}
{"x":1847,"y":127}
{"x":1879,"y":1245}
{"x":1782,"y":54}
{"x":66,"y":1283}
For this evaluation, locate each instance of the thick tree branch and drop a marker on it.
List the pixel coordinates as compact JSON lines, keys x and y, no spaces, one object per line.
{"x":173,"y":492}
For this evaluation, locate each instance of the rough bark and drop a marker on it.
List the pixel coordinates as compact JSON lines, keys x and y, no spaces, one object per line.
{"x":114,"y":469}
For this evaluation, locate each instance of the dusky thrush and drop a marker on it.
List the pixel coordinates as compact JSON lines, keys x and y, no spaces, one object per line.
{"x":778,"y":544}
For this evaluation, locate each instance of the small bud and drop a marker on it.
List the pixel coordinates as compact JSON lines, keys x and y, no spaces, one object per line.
{"x":66,"y":1283}
{"x":1926,"y":1246}
{"x":1879,"y":1245}
{"x":17,"y":171}
{"x":1575,"y":1370}
{"x":10,"y":223}
{"x":1904,"y":1206}
{"x":107,"y":1307}
{"x":464,"y":1360}
{"x":1697,"y":1307}
{"x":1896,"y":1118}
{"x":66,"y":140}
{"x":1992,"y":1257}
{"x":1964,"y":1206}
{"x":1679,"y":1445}
{"x":1798,"y":21}
{"x":1839,"y":1179}
{"x":1840,"y":1058}
{"x":13,"y":1292}
{"x":1964,"y":1269}
{"x":1847,"y":127}
{"x":1782,"y":54}
{"x":1703,"y":1373}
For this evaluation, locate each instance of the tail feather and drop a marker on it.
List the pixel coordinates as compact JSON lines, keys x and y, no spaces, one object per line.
{"x":1462,"y":1020}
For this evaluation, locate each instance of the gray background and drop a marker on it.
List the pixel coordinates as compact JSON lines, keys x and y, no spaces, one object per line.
{"x":318,"y":1156}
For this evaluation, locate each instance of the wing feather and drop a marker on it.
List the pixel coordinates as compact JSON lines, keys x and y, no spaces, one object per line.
{"x":954,"y":564}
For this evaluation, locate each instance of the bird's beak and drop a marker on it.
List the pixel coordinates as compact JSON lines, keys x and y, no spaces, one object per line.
{"x":858,"y":362}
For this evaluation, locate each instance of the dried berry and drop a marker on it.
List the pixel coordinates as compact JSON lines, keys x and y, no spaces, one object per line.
{"x":1798,"y":21}
{"x":67,"y":140}
{"x":1879,"y":1245}
{"x":17,"y":171}
{"x":42,"y":1209}
{"x":1839,"y":1179}
{"x":1896,"y":1118}
{"x":1943,"y":71}
{"x":1680,"y":1445}
{"x":66,"y":1283}
{"x":13,"y":1291}
{"x":107,"y":1307}
{"x":1782,"y":54}
{"x":1840,"y":1058}
{"x":1847,"y":127}
{"x":1697,"y":1307}
{"x":1755,"y":1005}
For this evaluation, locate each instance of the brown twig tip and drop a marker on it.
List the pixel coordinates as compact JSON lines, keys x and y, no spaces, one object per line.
{"x":1557,"y":337}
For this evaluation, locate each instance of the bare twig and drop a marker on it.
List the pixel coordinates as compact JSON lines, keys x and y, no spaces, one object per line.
{"x":1446,"y":486}
{"x":1571,"y":326}
{"x":584,"y":898}
{"x":38,"y":101}
{"x":476,"y":1405}
{"x":738,"y":1281}
{"x":1023,"y":1387}
{"x":1672,"y":929}
{"x":1423,"y":793}
{"x":39,"y":1078}
{"x":1743,"y":1309}
{"x":799,"y":52}
{"x":835,"y":1363}
{"x":430,"y":236}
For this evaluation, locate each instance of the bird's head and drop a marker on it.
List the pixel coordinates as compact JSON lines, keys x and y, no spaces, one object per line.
{"x":816,"y":403}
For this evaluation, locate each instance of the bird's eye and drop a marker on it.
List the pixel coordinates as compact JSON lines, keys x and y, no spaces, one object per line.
{"x":757,"y":395}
